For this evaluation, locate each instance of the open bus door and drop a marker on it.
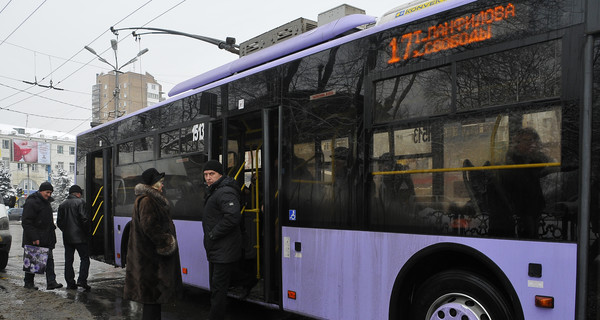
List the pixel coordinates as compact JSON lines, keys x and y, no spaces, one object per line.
{"x":251,"y":148}
{"x":98,"y":200}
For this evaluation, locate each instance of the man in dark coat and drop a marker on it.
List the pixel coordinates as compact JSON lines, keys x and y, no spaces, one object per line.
{"x":153,"y":269}
{"x":38,"y":230}
{"x":523,"y":186}
{"x":74,"y":223}
{"x":222,"y":234}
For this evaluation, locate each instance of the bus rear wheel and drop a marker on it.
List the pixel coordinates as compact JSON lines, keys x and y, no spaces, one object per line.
{"x":456,"y":294}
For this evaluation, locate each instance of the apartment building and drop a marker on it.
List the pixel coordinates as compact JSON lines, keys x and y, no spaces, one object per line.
{"x":135,"y":92}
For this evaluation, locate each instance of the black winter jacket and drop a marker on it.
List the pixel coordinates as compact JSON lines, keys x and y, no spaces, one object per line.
{"x":73,"y":221}
{"x":221,"y":222}
{"x":37,"y":221}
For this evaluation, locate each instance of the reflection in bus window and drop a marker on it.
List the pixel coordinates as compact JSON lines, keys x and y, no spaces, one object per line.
{"x":169,"y":143}
{"x":125,"y":152}
{"x":143,"y":149}
{"x":480,"y":183}
{"x":412,"y":95}
{"x":320,"y":167}
{"x":510,"y":76}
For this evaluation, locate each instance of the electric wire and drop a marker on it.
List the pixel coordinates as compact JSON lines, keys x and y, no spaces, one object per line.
{"x":160,"y":15}
{"x":64,"y":63}
{"x":19,"y":26}
{"x":9,"y":1}
{"x":75,"y":71}
{"x":39,"y":96}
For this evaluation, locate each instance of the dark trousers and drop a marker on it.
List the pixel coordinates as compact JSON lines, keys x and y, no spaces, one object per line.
{"x":83,"y":251}
{"x":50,"y":275}
{"x":151,"y":311}
{"x":220,"y":277}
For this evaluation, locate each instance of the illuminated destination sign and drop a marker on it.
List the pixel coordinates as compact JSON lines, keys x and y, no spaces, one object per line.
{"x":451,"y":34}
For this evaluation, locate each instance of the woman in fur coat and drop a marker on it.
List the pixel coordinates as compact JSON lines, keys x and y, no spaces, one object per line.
{"x":153,"y":275}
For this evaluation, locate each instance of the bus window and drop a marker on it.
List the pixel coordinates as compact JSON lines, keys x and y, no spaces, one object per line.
{"x":143,"y":149}
{"x":507,"y":76}
{"x":184,"y":185}
{"x":413,"y":95}
{"x":125,"y":153}
{"x":169,"y":143}
{"x":496,"y":175}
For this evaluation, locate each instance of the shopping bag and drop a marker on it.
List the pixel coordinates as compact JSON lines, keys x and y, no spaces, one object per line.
{"x":35,"y":259}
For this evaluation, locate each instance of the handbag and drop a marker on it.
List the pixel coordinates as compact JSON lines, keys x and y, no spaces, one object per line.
{"x":35,"y":259}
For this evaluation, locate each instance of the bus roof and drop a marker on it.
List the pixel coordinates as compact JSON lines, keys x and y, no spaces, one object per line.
{"x":302,"y":41}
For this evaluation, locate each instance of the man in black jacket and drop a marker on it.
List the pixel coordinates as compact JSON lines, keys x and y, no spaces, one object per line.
{"x":73,"y":221}
{"x":38,"y":230}
{"x":222,"y":234}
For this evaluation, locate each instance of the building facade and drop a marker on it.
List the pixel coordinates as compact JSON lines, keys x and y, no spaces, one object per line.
{"x":29,"y":176}
{"x":135,"y":91}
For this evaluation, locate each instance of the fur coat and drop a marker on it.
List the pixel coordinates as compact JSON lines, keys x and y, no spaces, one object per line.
{"x":153,"y":271}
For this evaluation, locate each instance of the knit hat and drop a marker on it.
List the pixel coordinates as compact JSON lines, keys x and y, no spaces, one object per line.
{"x":152,"y":176}
{"x":215,"y":166}
{"x":75,"y":188}
{"x":46,"y":186}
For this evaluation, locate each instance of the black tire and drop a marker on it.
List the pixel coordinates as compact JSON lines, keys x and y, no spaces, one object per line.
{"x":456,"y":294}
{"x":3,"y":259}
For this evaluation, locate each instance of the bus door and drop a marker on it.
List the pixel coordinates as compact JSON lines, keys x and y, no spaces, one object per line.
{"x":97,"y":196}
{"x":247,"y":156}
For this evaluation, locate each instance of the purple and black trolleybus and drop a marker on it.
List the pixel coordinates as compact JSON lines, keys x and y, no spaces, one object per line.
{"x":441,"y":162}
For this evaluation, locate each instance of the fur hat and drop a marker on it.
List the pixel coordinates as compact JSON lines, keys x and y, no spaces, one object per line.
{"x":215,"y":166}
{"x":46,"y":186}
{"x":152,"y":176}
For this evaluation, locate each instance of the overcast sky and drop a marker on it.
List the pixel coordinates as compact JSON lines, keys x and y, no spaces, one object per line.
{"x":44,"y":39}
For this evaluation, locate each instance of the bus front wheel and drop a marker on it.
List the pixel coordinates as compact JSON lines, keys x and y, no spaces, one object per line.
{"x":456,"y":294}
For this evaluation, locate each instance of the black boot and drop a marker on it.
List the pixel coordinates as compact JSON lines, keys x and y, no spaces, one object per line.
{"x":30,"y":285}
{"x":53,"y":286}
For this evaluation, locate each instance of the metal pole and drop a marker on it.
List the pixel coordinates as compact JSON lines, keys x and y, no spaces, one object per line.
{"x":116,"y":93}
{"x":584,"y":182}
{"x":28,"y":181}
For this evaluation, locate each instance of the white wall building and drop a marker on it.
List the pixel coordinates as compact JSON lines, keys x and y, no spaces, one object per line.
{"x":31,"y":175}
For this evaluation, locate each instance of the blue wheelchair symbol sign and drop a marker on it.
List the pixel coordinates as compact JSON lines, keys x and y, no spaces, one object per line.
{"x":292,"y":215}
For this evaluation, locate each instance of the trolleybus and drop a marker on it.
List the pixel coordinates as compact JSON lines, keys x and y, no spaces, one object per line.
{"x":441,"y":162}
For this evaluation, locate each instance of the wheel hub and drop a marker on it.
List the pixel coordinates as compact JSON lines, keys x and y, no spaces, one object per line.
{"x":457,"y":306}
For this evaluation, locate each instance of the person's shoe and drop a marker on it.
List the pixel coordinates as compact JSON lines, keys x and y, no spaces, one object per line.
{"x":71,"y":286}
{"x":53,"y":286}
{"x":84,"y":285}
{"x":30,"y":286}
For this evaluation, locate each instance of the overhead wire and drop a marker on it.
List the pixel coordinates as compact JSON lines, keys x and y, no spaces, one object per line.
{"x":70,"y":60}
{"x":160,"y":15}
{"x":67,"y":61}
{"x":22,"y":22}
{"x":39,"y":96}
{"x":6,"y":5}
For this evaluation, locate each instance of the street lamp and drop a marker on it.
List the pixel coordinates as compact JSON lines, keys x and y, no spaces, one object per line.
{"x":116,"y":69}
